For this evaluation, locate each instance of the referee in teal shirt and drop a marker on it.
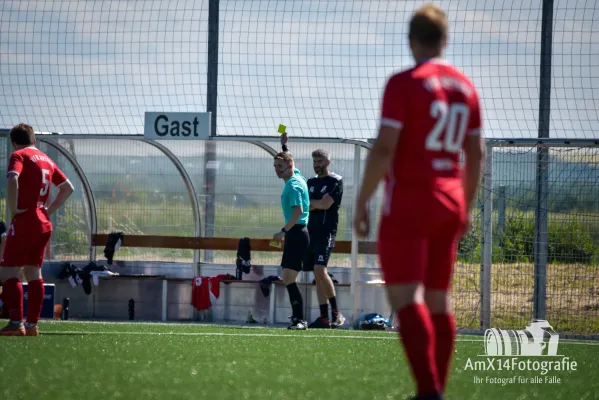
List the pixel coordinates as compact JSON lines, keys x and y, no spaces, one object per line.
{"x":295,"y":202}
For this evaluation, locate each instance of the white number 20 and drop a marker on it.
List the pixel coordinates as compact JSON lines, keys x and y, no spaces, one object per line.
{"x":45,"y":182}
{"x":453,"y":120}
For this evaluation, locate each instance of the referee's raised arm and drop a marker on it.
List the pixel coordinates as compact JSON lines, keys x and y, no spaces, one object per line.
{"x":284,"y":140}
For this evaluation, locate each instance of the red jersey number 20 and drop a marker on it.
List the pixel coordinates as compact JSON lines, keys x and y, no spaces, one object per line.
{"x":451,"y":119}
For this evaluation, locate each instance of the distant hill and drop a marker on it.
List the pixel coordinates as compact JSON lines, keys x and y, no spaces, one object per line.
{"x":573,"y":173}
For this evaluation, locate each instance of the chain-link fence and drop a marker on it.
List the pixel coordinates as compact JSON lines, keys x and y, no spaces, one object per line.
{"x":545,"y":237}
{"x":137,"y":190}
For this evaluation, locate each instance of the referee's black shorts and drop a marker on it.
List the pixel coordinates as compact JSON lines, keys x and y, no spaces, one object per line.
{"x":297,"y":242}
{"x":321,"y":246}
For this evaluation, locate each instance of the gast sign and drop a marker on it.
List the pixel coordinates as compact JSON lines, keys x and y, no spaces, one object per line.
{"x":177,"y":126}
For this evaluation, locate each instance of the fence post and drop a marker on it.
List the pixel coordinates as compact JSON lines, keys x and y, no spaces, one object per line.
{"x":210,"y":165}
{"x":541,"y":228}
{"x":354,"y":240}
{"x":500,"y":211}
{"x":487,"y":240}
{"x":542,"y":175}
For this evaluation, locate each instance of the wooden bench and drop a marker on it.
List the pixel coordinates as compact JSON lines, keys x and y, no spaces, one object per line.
{"x":197,"y":243}
{"x":223,"y":244}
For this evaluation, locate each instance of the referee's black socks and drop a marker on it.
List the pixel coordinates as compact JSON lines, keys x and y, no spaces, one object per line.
{"x":295,"y":298}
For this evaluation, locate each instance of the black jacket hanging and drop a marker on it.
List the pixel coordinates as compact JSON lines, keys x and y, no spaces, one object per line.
{"x":114,"y":242}
{"x":244,"y":257}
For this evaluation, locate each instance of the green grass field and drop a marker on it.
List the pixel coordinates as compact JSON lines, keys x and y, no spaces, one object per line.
{"x":97,"y":360}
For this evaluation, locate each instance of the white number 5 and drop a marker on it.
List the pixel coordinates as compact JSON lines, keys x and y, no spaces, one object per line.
{"x":45,"y":182}
{"x":455,"y":128}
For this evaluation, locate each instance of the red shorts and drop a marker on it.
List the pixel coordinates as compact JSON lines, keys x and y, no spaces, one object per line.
{"x":23,"y":248}
{"x":418,"y":239}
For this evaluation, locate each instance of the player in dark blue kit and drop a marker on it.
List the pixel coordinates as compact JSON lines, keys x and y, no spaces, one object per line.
{"x":326,"y":192}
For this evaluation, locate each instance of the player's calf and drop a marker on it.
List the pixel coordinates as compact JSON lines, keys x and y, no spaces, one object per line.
{"x":417,"y":334}
{"x":13,"y":298}
{"x":438,"y":302}
{"x":327,"y":288}
{"x":322,"y":322}
{"x":295,"y":299}
{"x":35,"y":301}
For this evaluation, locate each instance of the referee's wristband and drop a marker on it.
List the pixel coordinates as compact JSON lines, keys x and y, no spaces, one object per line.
{"x":283,"y":230}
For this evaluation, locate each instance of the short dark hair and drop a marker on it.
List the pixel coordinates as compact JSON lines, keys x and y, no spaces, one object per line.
{"x":285,"y":156}
{"x":429,"y":26}
{"x":22,"y":134}
{"x":321,"y":153}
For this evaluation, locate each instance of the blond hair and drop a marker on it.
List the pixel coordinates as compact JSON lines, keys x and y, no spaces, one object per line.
{"x":428,"y":26}
{"x":285,"y":156}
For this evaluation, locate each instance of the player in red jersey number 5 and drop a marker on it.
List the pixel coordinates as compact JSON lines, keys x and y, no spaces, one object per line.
{"x":30,"y":173}
{"x":430,"y":114}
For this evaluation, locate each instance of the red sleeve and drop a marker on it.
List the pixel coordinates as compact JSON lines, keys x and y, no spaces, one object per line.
{"x":475,"y":123}
{"x":394,"y":104}
{"x":15,"y":164}
{"x":58,"y":177}
{"x":215,"y":286}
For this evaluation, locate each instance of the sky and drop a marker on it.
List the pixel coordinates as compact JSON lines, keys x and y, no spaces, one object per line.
{"x":319,"y":67}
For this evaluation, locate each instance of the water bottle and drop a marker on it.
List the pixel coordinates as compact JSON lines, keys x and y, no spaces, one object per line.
{"x":131,"y":309}
{"x":65,"y":309}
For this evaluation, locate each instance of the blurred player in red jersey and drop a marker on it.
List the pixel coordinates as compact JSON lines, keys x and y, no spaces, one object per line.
{"x":30,"y":173}
{"x":430,"y":113}
{"x":3,"y":313}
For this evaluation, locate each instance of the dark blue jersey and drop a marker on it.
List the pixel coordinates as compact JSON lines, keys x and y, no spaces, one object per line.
{"x":325,"y":221}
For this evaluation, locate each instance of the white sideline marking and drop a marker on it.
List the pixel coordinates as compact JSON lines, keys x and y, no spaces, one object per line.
{"x":265,"y":335}
{"x":150,"y":324}
{"x":202,"y":325}
{"x":216,"y":334}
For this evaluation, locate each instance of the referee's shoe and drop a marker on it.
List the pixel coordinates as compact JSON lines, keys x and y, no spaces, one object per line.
{"x":297,"y":324}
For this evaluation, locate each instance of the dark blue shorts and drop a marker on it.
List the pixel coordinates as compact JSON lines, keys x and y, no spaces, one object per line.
{"x":321,"y":246}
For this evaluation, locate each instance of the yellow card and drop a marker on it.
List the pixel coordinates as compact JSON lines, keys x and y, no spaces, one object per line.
{"x":282,"y":129}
